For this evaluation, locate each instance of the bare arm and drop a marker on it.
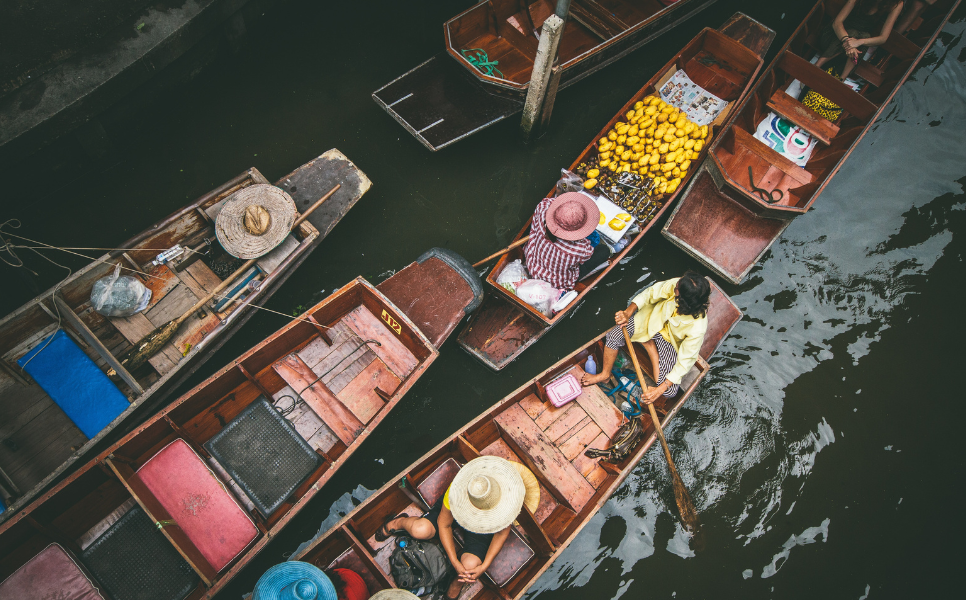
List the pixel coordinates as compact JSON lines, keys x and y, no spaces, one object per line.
{"x":444,"y":527}
{"x":838,"y":24}
{"x":886,"y":29}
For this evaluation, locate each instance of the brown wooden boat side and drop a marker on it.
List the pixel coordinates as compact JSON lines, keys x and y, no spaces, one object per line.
{"x":593,"y":28}
{"x":524,"y":427}
{"x":723,"y":225}
{"x":54,"y":443}
{"x":86,"y":498}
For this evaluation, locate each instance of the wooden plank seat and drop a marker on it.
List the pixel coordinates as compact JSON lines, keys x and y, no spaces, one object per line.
{"x":392,"y":351}
{"x":133,"y":559}
{"x":264,"y":454}
{"x":815,"y":124}
{"x":828,"y":86}
{"x":746,"y":144}
{"x":52,"y":573}
{"x":599,"y":21}
{"x":198,"y":503}
{"x":514,"y":555}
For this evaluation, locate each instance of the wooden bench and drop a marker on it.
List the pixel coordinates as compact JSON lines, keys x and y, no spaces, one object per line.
{"x":543,"y":458}
{"x":815,"y":124}
{"x":828,"y":86}
{"x":757,"y":147}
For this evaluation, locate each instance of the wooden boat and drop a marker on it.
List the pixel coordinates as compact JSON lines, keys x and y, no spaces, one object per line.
{"x":523,"y":427}
{"x":447,"y":98}
{"x":39,"y":440}
{"x":725,"y":60}
{"x":182,"y":503}
{"x":720,"y":220}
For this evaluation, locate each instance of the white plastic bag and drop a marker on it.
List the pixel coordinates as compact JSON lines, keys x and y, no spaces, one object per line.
{"x":116,"y":296}
{"x":513,"y":275}
{"x":569,"y":182}
{"x":538,"y":294}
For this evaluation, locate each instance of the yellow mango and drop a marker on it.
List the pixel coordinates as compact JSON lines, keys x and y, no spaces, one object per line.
{"x":661,"y":104}
{"x":680,"y":158}
{"x":674,"y":145}
{"x":613,"y":166}
{"x":621,"y":139}
{"x":650,"y":110}
{"x":631,"y":140}
{"x":704,"y":131}
{"x":619,"y":150}
{"x":635,"y":120}
{"x":589,"y":184}
{"x":604,"y":162}
{"x":603,"y":141}
{"x":603,"y":219}
{"x":663,"y":148}
{"x":593,"y":173}
{"x":616,"y":224}
{"x":622,"y":129}
{"x":638,"y":147}
{"x":642,"y":161}
{"x":654,"y":159}
{"x":633,"y":130}
{"x":626,"y":155}
{"x":698,"y":145}
{"x":667,"y":167}
{"x":689,"y":127}
{"x":612,"y":135}
{"x":638,"y":105}
{"x":668,"y":137}
{"x":604,"y":155}
{"x":689,"y":144}
{"x":685,"y":165}
{"x":605,"y":147}
{"x":662,"y":187}
{"x":676,"y":172}
{"x":661,"y":118}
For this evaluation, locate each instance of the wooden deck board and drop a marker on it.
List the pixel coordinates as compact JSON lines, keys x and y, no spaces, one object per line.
{"x":392,"y":351}
{"x":319,"y":398}
{"x":360,"y":396}
{"x":599,"y":407}
{"x":137,"y":326}
{"x":579,"y":442}
{"x":541,"y":456}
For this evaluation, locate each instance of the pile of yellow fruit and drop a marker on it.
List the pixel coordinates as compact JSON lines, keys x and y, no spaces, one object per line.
{"x":657,"y":141}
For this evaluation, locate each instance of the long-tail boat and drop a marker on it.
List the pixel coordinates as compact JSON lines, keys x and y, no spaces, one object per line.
{"x":727,"y":219}
{"x":524,"y":427}
{"x":448,"y":98}
{"x":181,"y":504}
{"x":54,"y":415}
{"x":724,"y":61}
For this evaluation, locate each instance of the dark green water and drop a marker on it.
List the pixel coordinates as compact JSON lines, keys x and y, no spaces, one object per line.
{"x":821,"y":450}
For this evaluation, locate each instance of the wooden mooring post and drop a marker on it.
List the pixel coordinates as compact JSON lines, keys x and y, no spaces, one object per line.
{"x":539,"y":99}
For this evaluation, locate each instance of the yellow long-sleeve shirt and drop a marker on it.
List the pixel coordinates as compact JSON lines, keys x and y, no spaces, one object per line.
{"x":657,"y":313}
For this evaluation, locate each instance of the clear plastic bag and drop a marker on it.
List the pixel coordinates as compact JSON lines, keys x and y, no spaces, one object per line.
{"x":569,"y":182}
{"x":117,"y":296}
{"x":538,"y":294}
{"x":513,"y":275}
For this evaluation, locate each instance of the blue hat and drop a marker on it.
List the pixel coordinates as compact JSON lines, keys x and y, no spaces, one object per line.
{"x":294,"y":580}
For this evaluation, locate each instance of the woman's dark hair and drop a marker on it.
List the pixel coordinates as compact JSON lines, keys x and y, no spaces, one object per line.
{"x":337,"y":581}
{"x":693,"y":294}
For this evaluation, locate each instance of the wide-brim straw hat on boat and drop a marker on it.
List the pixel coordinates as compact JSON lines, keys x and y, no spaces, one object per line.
{"x":487,"y":495}
{"x":254,"y":220}
{"x":532,"y":497}
{"x":572,"y":216}
{"x":394,"y":594}
{"x":307,"y":580}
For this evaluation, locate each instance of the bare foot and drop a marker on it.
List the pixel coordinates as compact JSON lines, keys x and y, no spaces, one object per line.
{"x":587,"y":379}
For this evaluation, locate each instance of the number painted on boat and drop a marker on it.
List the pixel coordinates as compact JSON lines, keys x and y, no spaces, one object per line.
{"x":393,"y":324}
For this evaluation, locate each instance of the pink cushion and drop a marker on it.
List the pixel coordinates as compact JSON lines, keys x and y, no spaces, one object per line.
{"x":50,"y":574}
{"x":199,"y":503}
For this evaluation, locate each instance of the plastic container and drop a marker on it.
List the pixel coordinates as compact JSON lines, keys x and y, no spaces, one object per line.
{"x":562,"y":390}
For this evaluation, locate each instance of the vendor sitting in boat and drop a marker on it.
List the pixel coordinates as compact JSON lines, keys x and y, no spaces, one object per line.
{"x":482,"y":502}
{"x":860,"y":24}
{"x":559,"y":250}
{"x":669,"y":319}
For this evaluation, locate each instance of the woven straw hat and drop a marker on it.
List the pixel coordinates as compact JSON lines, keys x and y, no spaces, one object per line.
{"x":486,"y":495}
{"x":241,"y":227}
{"x":572,"y":216}
{"x":394,"y":594}
{"x":532,"y":498}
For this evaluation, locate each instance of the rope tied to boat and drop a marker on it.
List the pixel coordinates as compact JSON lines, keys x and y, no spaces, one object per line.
{"x":482,"y":61}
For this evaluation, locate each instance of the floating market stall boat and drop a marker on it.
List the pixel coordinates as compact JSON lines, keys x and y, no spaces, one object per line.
{"x":61,"y":403}
{"x":483,"y":75}
{"x":180,"y":505}
{"x":746,"y":192}
{"x":723,"y":62}
{"x":551,"y":441}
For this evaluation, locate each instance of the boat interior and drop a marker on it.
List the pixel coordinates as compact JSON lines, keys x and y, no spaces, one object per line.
{"x":508,"y":31}
{"x":56,"y":351}
{"x":712,"y":60}
{"x":193,"y":490}
{"x":878,"y":75}
{"x":550,"y":441}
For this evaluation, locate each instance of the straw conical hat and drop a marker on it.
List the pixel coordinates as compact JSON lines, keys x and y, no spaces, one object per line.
{"x":394,"y":594}
{"x":486,"y":495}
{"x":532,"y":498}
{"x":230,"y":226}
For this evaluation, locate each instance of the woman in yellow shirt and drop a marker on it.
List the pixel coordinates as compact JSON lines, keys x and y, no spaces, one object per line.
{"x":669,"y":320}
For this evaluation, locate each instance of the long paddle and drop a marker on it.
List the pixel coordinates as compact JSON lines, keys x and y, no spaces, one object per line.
{"x":152,"y":343}
{"x":689,"y":516}
{"x":515,"y":244}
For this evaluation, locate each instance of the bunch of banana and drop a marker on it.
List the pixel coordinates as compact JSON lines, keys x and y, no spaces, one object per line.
{"x":657,"y":141}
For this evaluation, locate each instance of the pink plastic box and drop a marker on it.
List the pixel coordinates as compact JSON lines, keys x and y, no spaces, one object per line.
{"x":563,"y":389}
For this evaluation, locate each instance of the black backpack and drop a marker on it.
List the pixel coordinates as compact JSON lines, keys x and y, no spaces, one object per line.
{"x":418,"y":566}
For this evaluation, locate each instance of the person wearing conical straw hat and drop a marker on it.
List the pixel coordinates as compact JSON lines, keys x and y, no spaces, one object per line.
{"x":482,"y":502}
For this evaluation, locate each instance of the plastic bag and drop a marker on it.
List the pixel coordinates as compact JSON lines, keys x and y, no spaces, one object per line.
{"x":117,"y":296}
{"x":538,"y":294}
{"x":513,"y":275}
{"x":569,"y":182}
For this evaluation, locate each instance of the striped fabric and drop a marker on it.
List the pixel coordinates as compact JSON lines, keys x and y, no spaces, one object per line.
{"x":666,"y":354}
{"x":557,"y":263}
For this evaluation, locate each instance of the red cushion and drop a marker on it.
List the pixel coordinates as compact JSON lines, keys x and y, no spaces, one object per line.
{"x":353,"y":586}
{"x":50,"y":574}
{"x":199,"y":503}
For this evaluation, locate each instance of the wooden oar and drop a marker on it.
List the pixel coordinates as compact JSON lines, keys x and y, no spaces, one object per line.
{"x":152,"y":343}
{"x":515,"y":244}
{"x":689,"y":515}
